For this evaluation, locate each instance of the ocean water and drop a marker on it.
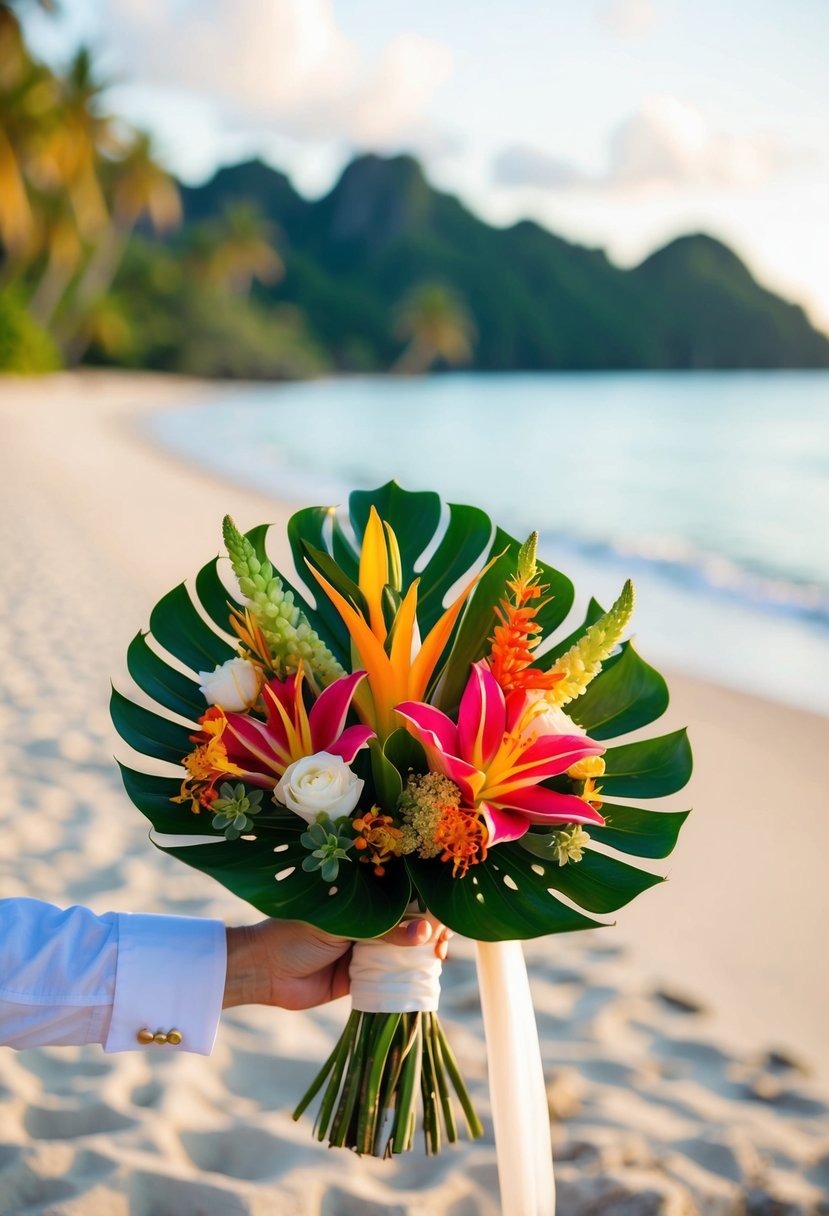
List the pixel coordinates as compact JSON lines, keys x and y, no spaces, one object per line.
{"x":711,"y":490}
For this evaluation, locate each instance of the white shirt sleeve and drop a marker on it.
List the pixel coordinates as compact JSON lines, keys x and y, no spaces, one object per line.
{"x":72,"y":977}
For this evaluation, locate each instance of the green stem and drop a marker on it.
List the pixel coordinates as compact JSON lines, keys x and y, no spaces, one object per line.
{"x":473,"y":1123}
{"x":327,"y":1067}
{"x":380,"y":1064}
{"x":409,"y":1082}
{"x":429,"y":1090}
{"x":440,"y":1076}
{"x":346,"y":1049}
{"x":342,"y":1119}
{"x":370,"y":1112}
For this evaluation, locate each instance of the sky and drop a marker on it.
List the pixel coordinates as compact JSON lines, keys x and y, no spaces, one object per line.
{"x":617,"y":123}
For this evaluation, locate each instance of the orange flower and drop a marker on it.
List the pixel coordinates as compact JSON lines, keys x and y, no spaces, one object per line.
{"x":462,"y":834}
{"x":207,"y":763}
{"x":518,"y":632}
{"x":393,"y":674}
{"x":378,"y":838}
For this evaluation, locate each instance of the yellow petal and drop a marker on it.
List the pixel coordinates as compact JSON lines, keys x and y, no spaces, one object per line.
{"x":401,"y":647}
{"x":374,"y":572}
{"x":438,"y":636}
{"x":372,"y":655}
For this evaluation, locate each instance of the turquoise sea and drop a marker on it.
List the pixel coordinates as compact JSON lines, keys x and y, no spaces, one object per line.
{"x":710,"y":489}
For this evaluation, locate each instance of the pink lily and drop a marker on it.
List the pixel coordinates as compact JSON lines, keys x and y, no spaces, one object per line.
{"x":498,"y":761}
{"x":265,"y":749}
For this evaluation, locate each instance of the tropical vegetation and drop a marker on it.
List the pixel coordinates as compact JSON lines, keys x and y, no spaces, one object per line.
{"x":105,"y":258}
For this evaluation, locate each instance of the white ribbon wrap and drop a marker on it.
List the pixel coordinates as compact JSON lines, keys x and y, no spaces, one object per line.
{"x":516,"y":1082}
{"x":394,"y":979}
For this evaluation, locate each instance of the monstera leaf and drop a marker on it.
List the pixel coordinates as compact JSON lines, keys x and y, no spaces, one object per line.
{"x":520,"y":891}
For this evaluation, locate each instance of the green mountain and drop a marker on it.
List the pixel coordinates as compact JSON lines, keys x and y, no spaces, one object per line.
{"x":538,"y":301}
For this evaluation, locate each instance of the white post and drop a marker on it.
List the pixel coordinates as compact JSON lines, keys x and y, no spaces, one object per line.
{"x":516,"y":1082}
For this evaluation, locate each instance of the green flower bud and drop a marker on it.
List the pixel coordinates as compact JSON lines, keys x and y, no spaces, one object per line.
{"x":286,"y":629}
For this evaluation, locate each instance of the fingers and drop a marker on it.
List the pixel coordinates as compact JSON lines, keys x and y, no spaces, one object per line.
{"x":415,"y":932}
{"x":419,"y":930}
{"x":442,"y":943}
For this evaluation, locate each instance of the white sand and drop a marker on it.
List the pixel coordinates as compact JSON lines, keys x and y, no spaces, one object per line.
{"x":661,"y":1107}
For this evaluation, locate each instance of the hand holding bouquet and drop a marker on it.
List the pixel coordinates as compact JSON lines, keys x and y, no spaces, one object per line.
{"x":400,"y":726}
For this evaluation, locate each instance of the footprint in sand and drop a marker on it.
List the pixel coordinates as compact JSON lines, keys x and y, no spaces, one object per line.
{"x":68,"y":1123}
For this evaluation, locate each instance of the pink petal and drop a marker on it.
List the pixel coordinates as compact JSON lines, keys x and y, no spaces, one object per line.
{"x":250,"y":744}
{"x":541,"y":805}
{"x":350,"y":742}
{"x":328,"y":714}
{"x":481,"y":717}
{"x":516,"y":704}
{"x":431,"y":727}
{"x":282,"y":691}
{"x":556,"y":753}
{"x":502,"y":825}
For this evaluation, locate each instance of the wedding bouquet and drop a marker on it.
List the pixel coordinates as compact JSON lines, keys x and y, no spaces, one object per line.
{"x":400,"y":724}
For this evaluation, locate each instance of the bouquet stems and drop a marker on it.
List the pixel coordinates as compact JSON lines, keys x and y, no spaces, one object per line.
{"x":371,"y":1081}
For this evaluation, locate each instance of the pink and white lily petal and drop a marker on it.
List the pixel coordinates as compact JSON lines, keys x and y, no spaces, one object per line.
{"x":560,"y":750}
{"x":251,"y":744}
{"x":537,"y":804}
{"x":329,"y":711}
{"x":503,"y":825}
{"x":482,"y":717}
{"x":350,"y":742}
{"x":432,"y":727}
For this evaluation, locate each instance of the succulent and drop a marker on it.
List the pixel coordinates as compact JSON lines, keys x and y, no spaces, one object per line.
{"x":233,"y":809}
{"x":328,"y":847}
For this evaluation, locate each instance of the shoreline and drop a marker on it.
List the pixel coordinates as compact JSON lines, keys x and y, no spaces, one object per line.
{"x":723,"y":610}
{"x":99,"y":523}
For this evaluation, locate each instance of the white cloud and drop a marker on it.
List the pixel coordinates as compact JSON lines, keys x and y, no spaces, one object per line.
{"x":628,"y":18}
{"x":281,"y":63}
{"x":522,"y":165}
{"x":392,"y":97}
{"x":666,"y":147}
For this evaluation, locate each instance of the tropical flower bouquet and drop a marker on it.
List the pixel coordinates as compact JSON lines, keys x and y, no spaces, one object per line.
{"x":401,"y":723}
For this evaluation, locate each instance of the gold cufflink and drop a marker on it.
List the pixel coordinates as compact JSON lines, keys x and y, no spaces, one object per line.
{"x":146,"y":1036}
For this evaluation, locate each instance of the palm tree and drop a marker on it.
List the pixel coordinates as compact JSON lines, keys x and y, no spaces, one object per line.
{"x":56,"y":233}
{"x":21,"y":80}
{"x":70,"y":144}
{"x":139,"y":186}
{"x":238,"y":249}
{"x":50,"y":142}
{"x":437,"y":325}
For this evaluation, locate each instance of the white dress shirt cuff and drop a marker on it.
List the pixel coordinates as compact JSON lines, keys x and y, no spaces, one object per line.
{"x":170,"y":976}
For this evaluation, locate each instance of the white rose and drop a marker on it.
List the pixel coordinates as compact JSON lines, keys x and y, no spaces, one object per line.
{"x":549,"y":719}
{"x":319,"y":783}
{"x":233,"y":685}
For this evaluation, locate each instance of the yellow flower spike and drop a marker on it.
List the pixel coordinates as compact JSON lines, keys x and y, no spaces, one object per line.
{"x":583,"y":661}
{"x":374,"y":572}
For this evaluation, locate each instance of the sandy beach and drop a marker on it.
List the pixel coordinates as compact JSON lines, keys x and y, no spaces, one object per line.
{"x":685,"y":1049}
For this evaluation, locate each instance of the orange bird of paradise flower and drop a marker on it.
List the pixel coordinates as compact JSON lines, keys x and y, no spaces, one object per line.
{"x":394,"y":673}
